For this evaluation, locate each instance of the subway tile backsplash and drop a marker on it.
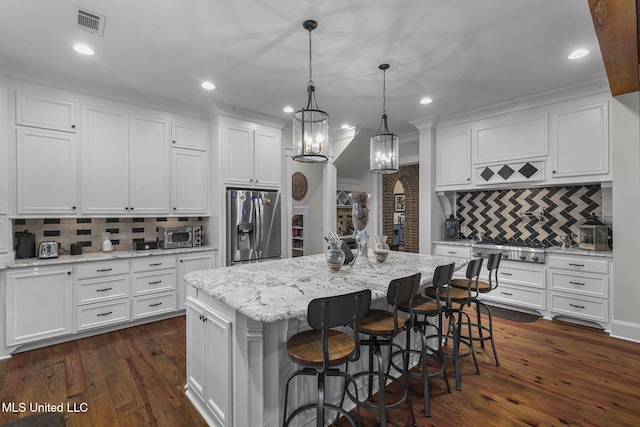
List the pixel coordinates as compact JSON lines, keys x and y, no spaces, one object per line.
{"x":502,"y":214}
{"x":88,"y":231}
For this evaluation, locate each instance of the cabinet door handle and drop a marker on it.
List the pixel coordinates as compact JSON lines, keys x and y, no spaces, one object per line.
{"x":103,"y":290}
{"x":577,"y":283}
{"x":452,"y":252}
{"x":155,"y":264}
{"x":577,"y":306}
{"x":156,"y":282}
{"x":105,"y":314}
{"x":506,"y":293}
{"x":102,"y":270}
{"x":155,"y":305}
{"x":506,"y":274}
{"x":576,"y":265}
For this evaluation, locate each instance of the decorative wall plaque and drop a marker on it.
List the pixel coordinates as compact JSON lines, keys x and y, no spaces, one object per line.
{"x":298,"y":186}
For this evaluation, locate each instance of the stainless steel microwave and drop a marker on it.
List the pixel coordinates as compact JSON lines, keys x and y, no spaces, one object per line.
{"x":187,"y":236}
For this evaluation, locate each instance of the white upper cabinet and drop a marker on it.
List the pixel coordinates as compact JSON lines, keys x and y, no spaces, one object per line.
{"x":580,"y":141}
{"x":46,"y":172}
{"x":125,"y":161}
{"x":453,"y":159}
{"x":189,"y":183}
{"x":190,"y":136}
{"x":251,"y":154}
{"x":5,"y":235}
{"x":105,"y":161}
{"x":266,"y":158}
{"x":45,"y":113}
{"x":4,"y":156}
{"x":514,"y":139}
{"x":148,"y":162}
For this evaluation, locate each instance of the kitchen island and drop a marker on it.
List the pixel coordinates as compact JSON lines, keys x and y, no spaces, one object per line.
{"x":239,"y":319}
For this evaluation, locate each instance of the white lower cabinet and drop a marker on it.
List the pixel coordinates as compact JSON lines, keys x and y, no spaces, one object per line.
{"x":103,"y":314}
{"x":579,"y":287}
{"x":187,"y":264}
{"x":39,"y":304}
{"x":102,"y":292}
{"x":520,"y":284}
{"x":150,"y":305}
{"x":209,"y":367}
{"x":154,"y":285}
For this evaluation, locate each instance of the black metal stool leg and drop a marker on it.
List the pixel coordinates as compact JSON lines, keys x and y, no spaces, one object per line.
{"x":320,"y":408}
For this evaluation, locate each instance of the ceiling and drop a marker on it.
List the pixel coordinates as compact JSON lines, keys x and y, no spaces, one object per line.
{"x":465,"y":54}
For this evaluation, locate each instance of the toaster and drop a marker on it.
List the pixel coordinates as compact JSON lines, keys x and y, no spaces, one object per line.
{"x":48,"y":250}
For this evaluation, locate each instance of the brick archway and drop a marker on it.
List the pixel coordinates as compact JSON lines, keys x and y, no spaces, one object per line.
{"x":409,"y":178}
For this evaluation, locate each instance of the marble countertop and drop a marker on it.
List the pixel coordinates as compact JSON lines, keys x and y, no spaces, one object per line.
{"x":281,"y":289}
{"x":102,"y":256}
{"x":549,"y":250}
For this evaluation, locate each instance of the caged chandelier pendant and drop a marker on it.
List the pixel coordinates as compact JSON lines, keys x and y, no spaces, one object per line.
{"x":310,"y":124}
{"x":384,"y":145}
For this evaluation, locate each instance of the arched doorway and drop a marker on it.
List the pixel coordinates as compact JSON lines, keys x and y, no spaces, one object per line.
{"x":406,"y":179}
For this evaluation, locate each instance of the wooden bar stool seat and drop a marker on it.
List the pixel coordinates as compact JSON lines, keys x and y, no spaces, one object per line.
{"x":305,"y":348}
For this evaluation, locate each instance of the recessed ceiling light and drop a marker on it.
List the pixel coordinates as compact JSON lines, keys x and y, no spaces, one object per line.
{"x":345,"y":126}
{"x":288,"y":110}
{"x":579,"y":53}
{"x":426,"y":100}
{"x":83,"y":49}
{"x":208,"y":86}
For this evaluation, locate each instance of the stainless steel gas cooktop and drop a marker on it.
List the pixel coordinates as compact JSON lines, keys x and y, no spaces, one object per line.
{"x":514,"y":251}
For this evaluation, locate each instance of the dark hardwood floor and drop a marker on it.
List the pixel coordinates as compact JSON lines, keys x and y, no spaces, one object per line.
{"x":130,"y":377}
{"x":551,"y":373}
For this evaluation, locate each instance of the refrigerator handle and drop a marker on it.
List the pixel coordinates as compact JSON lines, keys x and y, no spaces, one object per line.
{"x":258,"y":220}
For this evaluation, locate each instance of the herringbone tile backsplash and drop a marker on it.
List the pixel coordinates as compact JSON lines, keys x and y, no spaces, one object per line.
{"x":534,"y":214}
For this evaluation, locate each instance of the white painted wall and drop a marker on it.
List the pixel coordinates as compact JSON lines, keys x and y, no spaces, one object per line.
{"x":625,"y":139}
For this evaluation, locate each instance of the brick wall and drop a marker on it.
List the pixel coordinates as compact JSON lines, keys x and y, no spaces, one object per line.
{"x":408,"y":177}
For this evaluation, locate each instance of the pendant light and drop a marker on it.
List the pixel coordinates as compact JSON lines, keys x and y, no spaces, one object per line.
{"x":310,"y":124}
{"x":384,"y":148}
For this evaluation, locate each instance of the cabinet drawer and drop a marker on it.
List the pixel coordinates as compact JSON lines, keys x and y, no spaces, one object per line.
{"x":594,"y":286}
{"x":153,"y":263}
{"x":452,"y":251}
{"x":597,"y":266}
{"x":583,"y":308}
{"x":97,"y":315}
{"x":154,"y":282}
{"x":154,"y":304}
{"x":97,"y":290}
{"x":91,"y":270}
{"x":524,"y":297}
{"x":514,"y":275}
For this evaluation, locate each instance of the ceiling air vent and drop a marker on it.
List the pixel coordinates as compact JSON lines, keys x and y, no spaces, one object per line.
{"x":90,"y":21}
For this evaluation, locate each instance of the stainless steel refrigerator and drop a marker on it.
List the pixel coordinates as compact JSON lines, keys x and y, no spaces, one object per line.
{"x":253,"y":225}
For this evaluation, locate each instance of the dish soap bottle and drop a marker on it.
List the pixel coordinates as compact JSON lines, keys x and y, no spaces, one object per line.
{"x":106,"y":243}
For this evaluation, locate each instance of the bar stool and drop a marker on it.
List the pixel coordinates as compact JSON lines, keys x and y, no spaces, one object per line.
{"x":382,"y":327}
{"x":321,"y":350}
{"x":428,"y":308}
{"x":484,"y":332}
{"x":457,"y":317}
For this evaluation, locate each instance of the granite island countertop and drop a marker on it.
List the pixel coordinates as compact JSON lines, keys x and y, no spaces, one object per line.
{"x":281,"y":289}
